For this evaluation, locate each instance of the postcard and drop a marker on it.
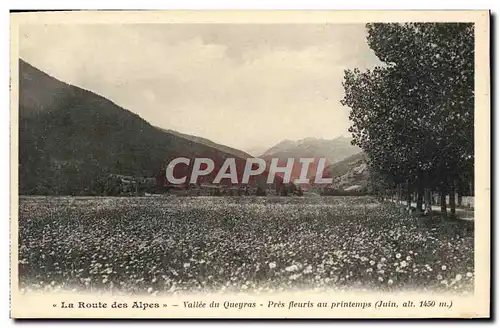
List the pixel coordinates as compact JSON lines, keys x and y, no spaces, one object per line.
{"x":250,"y":164}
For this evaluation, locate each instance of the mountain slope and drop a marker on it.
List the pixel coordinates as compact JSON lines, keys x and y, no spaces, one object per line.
{"x":332,"y":150}
{"x":255,"y":151}
{"x":350,"y":173}
{"x":346,"y":165}
{"x":210,"y":143}
{"x":69,"y":137}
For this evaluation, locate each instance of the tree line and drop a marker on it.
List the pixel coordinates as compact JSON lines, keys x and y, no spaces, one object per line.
{"x":414,"y":115}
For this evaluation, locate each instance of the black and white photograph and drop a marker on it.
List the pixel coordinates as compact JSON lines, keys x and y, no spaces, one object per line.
{"x":197,"y":158}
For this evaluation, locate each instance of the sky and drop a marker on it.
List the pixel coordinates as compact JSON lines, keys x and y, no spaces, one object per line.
{"x":248,"y":86}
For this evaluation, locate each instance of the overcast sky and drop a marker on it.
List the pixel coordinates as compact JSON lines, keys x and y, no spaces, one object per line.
{"x":246,"y":86}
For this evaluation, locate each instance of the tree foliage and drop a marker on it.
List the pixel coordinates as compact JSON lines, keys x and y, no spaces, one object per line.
{"x":414,"y":115}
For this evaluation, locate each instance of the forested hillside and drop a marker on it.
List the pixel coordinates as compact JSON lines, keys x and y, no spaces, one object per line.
{"x":71,"y":139}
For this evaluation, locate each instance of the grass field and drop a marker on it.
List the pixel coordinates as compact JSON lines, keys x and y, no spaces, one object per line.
{"x":178,"y":244}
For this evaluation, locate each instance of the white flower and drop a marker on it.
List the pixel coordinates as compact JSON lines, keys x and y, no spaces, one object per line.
{"x":439,"y":277}
{"x":308,"y":269}
{"x":458,"y":277}
{"x":272,"y":265}
{"x":443,"y":267}
{"x":398,"y":255}
{"x":382,"y":260}
{"x":150,"y":290}
{"x":291,"y":268}
{"x":369,"y":270}
{"x":294,"y":276}
{"x":403,"y":264}
{"x":390,"y":282}
{"x":372,"y":262}
{"x":408,"y":258}
{"x":187,"y":265}
{"x":468,"y":274}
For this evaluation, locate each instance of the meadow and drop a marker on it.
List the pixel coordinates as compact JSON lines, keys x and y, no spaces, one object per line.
{"x":169,"y":245}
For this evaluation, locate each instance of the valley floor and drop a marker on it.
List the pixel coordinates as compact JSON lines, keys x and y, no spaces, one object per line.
{"x":169,"y":245}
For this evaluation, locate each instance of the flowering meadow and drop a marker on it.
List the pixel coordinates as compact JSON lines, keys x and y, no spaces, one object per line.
{"x":165,"y":245}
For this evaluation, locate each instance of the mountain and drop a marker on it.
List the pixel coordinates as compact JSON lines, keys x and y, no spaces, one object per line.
{"x":255,"y":151}
{"x":283,"y":146}
{"x":69,"y":138}
{"x":333,"y":151}
{"x":210,"y":143}
{"x":346,"y":165}
{"x":349,"y":174}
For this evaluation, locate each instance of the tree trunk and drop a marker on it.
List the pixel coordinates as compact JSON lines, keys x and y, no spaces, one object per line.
{"x":443,"y":202}
{"x":398,"y":193}
{"x":428,"y":201}
{"x":452,"y":198}
{"x":459,"y":193}
{"x":420,"y":192}
{"x":408,"y":196}
{"x":420,"y":200}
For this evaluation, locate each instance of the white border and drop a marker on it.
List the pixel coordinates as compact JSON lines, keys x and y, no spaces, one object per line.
{"x":186,"y":4}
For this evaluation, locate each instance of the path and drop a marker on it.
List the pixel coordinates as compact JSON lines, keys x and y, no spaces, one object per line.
{"x":461,"y":213}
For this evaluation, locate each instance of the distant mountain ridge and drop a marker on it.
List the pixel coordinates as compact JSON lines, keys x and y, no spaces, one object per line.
{"x":334,"y":150}
{"x":210,"y":143}
{"x":281,"y":146}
